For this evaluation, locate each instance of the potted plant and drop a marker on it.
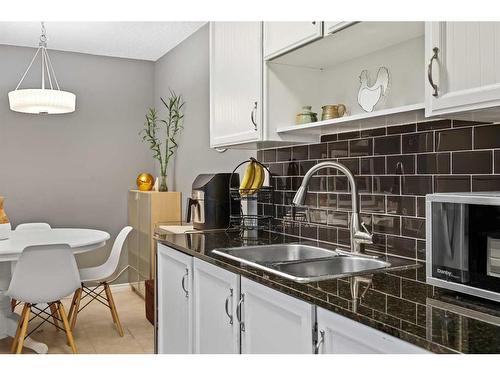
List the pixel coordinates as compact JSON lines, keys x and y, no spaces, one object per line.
{"x":162,"y":134}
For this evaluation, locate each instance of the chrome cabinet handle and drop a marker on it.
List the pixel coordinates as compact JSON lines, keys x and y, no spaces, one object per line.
{"x":238,"y":312}
{"x":252,"y":115}
{"x":429,"y":71}
{"x":183,"y":283}
{"x":320,"y":341}
{"x":226,"y":306}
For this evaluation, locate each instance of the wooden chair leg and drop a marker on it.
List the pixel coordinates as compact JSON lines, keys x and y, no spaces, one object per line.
{"x":18,"y":330}
{"x":67,"y":328}
{"x":13,"y":304}
{"x":112,"y":307}
{"x":24,"y":328}
{"x":75,"y":306}
{"x":55,"y":314}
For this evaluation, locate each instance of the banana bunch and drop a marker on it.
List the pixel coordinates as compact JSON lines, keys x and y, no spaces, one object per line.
{"x":253,"y":179}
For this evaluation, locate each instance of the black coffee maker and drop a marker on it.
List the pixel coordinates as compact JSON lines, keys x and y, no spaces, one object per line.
{"x":209,"y":206}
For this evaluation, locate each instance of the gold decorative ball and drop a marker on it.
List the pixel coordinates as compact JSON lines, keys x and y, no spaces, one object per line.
{"x":145,"y":182}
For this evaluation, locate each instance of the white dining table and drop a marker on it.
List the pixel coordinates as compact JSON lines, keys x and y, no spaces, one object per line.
{"x":80,"y":241}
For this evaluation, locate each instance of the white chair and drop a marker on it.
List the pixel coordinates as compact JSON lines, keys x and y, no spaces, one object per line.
{"x":28,"y":226}
{"x":43,"y":275}
{"x":33,"y":226}
{"x":100,"y":277}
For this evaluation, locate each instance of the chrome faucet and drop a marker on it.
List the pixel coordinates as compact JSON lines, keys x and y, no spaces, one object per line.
{"x":359,"y":234}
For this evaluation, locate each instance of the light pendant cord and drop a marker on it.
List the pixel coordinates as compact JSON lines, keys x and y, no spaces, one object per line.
{"x":47,"y":68}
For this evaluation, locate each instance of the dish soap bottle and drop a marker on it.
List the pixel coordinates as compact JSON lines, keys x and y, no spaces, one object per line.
{"x":5,"y":227}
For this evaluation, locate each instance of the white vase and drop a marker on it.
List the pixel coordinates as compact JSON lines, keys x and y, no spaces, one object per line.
{"x":5,"y":230}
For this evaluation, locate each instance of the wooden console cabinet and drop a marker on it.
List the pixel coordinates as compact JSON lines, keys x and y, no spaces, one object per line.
{"x":145,"y":210}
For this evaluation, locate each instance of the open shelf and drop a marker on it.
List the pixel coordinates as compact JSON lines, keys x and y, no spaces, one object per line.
{"x":380,"y":118}
{"x":327,"y":71}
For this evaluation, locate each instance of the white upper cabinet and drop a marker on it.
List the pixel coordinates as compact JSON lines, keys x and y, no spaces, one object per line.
{"x":281,"y":37}
{"x":235,"y":82}
{"x":464,"y":65}
{"x":331,"y":27}
{"x":216,"y":294}
{"x":175,"y":306}
{"x":272,"y":322}
{"x":340,"y":335}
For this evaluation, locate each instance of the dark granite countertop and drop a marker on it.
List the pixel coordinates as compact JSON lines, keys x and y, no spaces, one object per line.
{"x":399,"y":302}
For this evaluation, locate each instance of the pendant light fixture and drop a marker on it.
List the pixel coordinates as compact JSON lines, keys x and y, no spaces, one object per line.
{"x":47,"y":100}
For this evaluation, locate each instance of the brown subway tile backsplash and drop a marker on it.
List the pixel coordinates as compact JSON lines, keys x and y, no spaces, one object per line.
{"x":450,"y":184}
{"x":361,"y":147}
{"x":387,"y":145}
{"x":413,"y":227}
{"x":349,"y":135}
{"x":485,"y":183}
{"x":394,"y":167}
{"x":418,"y":142}
{"x":434,"y":163}
{"x":487,"y":136}
{"x":376,"y":165}
{"x":387,"y":184}
{"x":372,"y":203}
{"x":454,"y":140}
{"x":416,"y":185}
{"x":400,"y":129}
{"x":269,"y":155}
{"x":300,"y":153}
{"x":401,"y":205}
{"x":338,"y":149}
{"x":401,"y":246}
{"x":400,"y":164}
{"x":373,"y":132}
{"x":284,"y":154}
{"x":318,"y":151}
{"x":472,"y":162}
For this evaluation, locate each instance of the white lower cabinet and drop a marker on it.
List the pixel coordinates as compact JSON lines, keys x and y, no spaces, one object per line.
{"x":216,"y":294}
{"x":273,"y":322}
{"x":203,"y":308}
{"x":175,"y":307}
{"x":340,"y":335}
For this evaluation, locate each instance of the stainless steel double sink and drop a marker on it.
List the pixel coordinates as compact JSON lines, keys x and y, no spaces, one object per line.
{"x":305,"y":263}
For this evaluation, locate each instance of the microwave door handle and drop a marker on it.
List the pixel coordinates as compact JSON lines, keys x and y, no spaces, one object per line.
{"x":446,"y":231}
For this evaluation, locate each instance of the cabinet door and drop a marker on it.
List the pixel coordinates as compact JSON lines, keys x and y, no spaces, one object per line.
{"x":274,"y":323}
{"x":215,"y":293}
{"x":175,"y":311}
{"x":235,"y":82}
{"x":334,"y":26}
{"x":466,"y":67}
{"x":281,"y":37}
{"x":340,"y":335}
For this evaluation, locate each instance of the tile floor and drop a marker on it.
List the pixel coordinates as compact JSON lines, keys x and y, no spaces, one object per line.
{"x":95,"y":333}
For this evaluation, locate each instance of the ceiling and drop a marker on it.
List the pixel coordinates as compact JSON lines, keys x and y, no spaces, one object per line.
{"x":134,"y":40}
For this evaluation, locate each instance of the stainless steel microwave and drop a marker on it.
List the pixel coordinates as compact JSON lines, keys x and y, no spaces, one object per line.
{"x":463,"y":242}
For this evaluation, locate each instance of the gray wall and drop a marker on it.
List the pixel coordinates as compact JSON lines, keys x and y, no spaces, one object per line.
{"x":185,"y":69}
{"x":74,"y":170}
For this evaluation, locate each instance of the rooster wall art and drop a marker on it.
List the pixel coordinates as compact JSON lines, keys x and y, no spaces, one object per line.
{"x":369,"y":96}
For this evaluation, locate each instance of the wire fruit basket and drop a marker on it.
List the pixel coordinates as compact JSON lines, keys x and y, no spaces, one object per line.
{"x":248,"y":205}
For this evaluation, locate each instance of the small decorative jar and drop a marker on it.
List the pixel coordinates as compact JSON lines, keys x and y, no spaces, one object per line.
{"x":332,"y":111}
{"x":5,"y":227}
{"x":306,"y":116}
